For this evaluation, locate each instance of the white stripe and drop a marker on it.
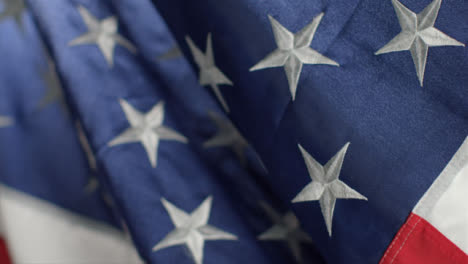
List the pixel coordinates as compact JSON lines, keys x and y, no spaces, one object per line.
{"x":445,"y":204}
{"x":39,"y":232}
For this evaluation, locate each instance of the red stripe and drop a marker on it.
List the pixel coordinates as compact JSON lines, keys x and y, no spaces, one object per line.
{"x":418,"y":242}
{"x":4,"y":257}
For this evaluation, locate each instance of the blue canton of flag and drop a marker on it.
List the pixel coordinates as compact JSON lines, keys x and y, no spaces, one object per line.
{"x":236,"y":131}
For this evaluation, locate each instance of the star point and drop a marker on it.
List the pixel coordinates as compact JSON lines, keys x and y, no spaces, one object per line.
{"x":6,"y":121}
{"x":103,"y":33}
{"x":84,"y":142}
{"x":14,"y":9}
{"x":54,"y":92}
{"x":93,"y":182}
{"x":191,"y":230}
{"x":148,"y":129}
{"x":417,"y":35}
{"x":172,"y":53}
{"x":92,"y":185}
{"x":210,"y":74}
{"x":286,"y":228}
{"x":293,"y":52}
{"x":227,"y":135}
{"x":325,"y":186}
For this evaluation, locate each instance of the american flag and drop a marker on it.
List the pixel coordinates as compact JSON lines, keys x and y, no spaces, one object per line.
{"x":233,"y":131}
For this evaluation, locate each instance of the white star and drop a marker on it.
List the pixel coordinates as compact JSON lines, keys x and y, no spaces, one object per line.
{"x":192,"y":229}
{"x":148,"y":129}
{"x":227,"y":135}
{"x":286,"y":228}
{"x":209,"y":73}
{"x":103,"y":33}
{"x":325,"y":185}
{"x":293,"y":51}
{"x":418,"y":34}
{"x":15,"y":9}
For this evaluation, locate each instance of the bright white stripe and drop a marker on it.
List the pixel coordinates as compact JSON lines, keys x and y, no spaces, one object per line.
{"x":39,"y":232}
{"x":445,"y":204}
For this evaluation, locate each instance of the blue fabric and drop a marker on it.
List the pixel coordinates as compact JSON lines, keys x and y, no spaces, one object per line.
{"x":40,"y":152}
{"x":186,"y":174}
{"x":401,"y":134}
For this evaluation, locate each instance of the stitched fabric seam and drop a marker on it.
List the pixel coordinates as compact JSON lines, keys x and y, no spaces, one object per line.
{"x":395,"y":240}
{"x":404,"y":242}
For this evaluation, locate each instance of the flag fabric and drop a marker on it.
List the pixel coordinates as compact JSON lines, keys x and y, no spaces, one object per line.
{"x":4,"y":252}
{"x":4,"y":255}
{"x":40,"y":232}
{"x":44,"y":159}
{"x":240,"y":130}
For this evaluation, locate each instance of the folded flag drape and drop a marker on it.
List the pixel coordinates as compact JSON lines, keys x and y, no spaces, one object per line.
{"x":244,"y":131}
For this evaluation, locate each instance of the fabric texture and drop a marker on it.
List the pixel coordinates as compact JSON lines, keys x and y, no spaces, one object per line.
{"x":418,"y":242}
{"x":115,"y":61}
